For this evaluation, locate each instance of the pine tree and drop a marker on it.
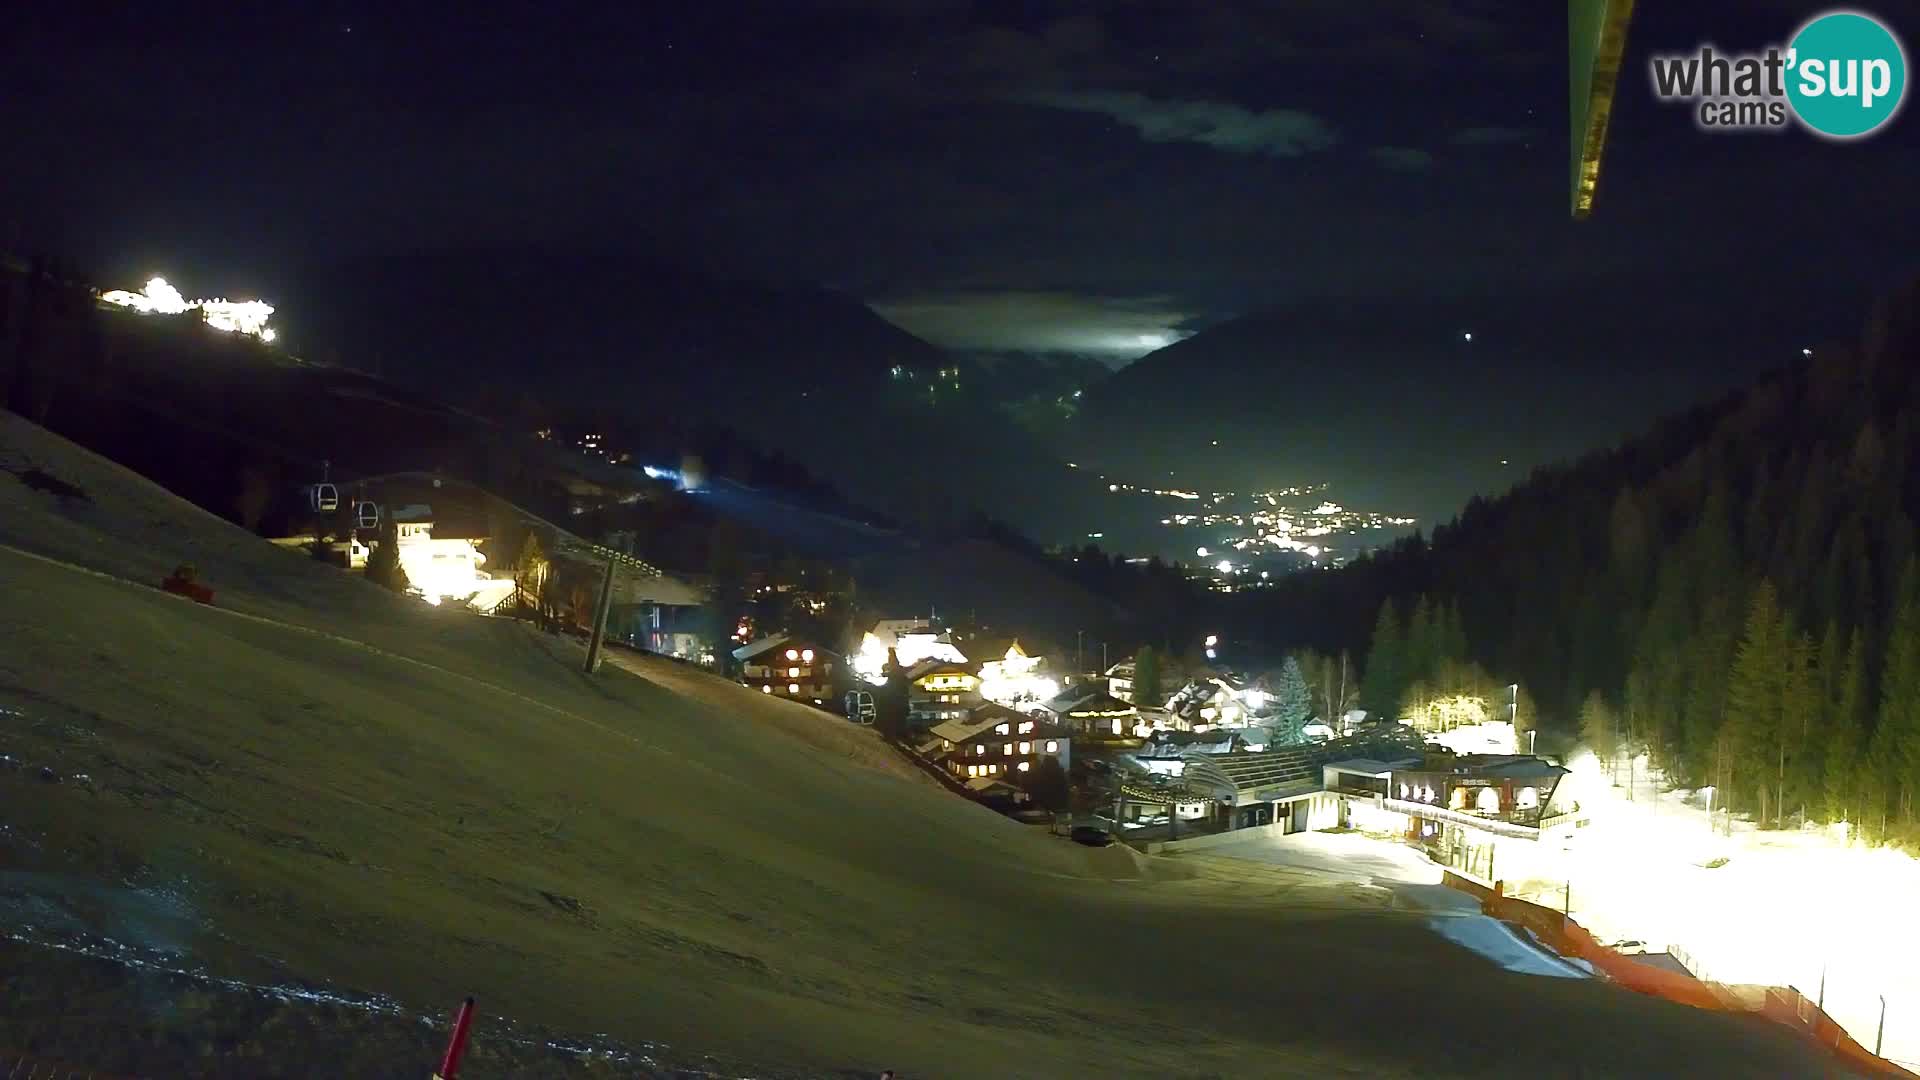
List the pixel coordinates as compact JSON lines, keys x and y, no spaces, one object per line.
{"x":1755,"y":691}
{"x":1800,"y":710}
{"x":1897,"y":736}
{"x":1423,"y":643}
{"x":383,"y":562}
{"x":890,"y":701}
{"x":1453,"y":635}
{"x":1846,"y":738}
{"x":1597,"y":726}
{"x":1147,"y":692}
{"x":1385,"y":678}
{"x":1292,"y":704}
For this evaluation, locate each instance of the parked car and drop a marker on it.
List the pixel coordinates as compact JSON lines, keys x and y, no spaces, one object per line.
{"x":1091,"y":835}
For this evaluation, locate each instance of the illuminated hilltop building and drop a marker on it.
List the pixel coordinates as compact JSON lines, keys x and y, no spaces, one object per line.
{"x":233,"y":316}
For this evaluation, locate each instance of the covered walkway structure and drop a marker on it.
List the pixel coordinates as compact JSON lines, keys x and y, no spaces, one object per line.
{"x":1285,"y":785}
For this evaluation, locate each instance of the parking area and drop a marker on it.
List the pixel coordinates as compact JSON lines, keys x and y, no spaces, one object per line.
{"x":1346,"y":855}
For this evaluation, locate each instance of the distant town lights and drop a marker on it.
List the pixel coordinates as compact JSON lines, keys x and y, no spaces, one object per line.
{"x":1467,"y":336}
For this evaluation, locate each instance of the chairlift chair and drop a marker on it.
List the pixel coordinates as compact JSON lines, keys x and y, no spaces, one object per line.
{"x":325,"y":498}
{"x":860,"y":708}
{"x":368,"y":515}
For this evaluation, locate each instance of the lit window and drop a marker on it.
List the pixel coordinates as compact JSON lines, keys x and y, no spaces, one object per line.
{"x":793,"y":688}
{"x":792,"y":654}
{"x":995,"y":769}
{"x":1007,"y":750}
{"x":1024,"y":766}
{"x":807,"y":655}
{"x":766,"y":688}
{"x":979,"y":748}
{"x":1001,"y":730}
{"x":1026,"y":748}
{"x":793,"y":673}
{"x":1116,"y":725}
{"x":946,"y":744}
{"x":1489,"y":800}
{"x":1026,"y":726}
{"x":1527,"y":798}
{"x":1052,"y":747}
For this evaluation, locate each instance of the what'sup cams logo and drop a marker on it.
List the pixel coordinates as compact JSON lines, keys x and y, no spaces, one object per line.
{"x":1843,"y":75}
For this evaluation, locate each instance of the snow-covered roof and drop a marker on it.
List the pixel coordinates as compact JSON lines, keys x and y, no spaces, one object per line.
{"x":755,"y":648}
{"x":959,"y":731}
{"x":936,"y":667}
{"x":1100,"y":704}
{"x":984,"y":785}
{"x":989,"y":716}
{"x":1509,"y":766}
{"x":1368,"y":766}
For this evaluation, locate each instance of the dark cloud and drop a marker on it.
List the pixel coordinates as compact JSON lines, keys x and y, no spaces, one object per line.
{"x":1401,"y":158}
{"x":1113,"y":330}
{"x":1488,"y":136}
{"x":1217,"y":124}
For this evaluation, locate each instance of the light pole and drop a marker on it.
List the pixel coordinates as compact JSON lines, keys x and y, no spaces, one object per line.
{"x":1513,"y":714}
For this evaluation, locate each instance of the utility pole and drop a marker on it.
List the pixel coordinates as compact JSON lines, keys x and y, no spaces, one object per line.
{"x":600,"y":618}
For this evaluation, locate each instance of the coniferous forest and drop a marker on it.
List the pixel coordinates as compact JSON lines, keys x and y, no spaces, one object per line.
{"x":1735,"y":593}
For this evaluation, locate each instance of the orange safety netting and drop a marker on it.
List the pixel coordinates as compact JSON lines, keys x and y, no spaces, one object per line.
{"x":1784,"y":1006}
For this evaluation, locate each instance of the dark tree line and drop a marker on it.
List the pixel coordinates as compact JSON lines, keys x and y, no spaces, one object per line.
{"x":1736,"y":587}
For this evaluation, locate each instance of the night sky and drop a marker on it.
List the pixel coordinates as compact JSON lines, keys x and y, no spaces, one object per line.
{"x":1099,"y":179}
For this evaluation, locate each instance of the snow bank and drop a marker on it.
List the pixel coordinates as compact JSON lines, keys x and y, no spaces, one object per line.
{"x":1499,"y":943}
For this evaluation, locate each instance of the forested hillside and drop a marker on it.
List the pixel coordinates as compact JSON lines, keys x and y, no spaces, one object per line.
{"x":1735,"y":591}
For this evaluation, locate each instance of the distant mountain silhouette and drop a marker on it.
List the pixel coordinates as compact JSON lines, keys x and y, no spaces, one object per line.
{"x":1391,"y":401}
{"x":596,"y":324}
{"x":886,"y":417}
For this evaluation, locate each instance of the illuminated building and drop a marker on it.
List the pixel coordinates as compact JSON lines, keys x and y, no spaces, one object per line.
{"x":792,"y":667}
{"x":995,"y":743}
{"x":1017,"y":680}
{"x":438,"y":568}
{"x":912,"y":642}
{"x":233,"y":316}
{"x":1466,"y":811}
{"x":1089,"y":710}
{"x":938,"y":691}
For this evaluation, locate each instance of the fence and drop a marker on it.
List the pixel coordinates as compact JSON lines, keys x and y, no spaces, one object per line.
{"x":1782,"y":1005}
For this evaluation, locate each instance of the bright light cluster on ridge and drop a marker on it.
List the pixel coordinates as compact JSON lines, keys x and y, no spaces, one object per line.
{"x":232,"y":316}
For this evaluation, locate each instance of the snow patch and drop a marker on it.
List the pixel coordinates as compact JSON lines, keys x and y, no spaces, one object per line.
{"x":1497,"y":942}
